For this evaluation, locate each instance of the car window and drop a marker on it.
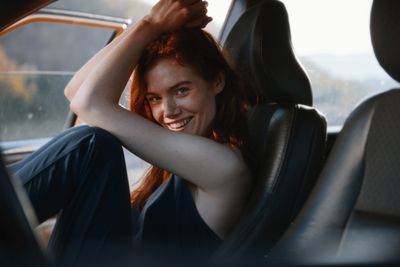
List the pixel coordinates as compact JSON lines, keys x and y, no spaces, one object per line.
{"x":136,"y":9}
{"x":34,"y":72}
{"x":36,"y":62}
{"x":332,"y":40}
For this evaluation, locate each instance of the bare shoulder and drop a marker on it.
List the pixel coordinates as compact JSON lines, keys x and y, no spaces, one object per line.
{"x":240,"y":172}
{"x":221,"y":207}
{"x":236,"y":182}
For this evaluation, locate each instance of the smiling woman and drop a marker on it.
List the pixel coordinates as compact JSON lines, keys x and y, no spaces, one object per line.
{"x":180,"y":99}
{"x":195,"y":93}
{"x":188,"y":115}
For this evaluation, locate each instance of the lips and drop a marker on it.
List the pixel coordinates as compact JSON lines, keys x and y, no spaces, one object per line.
{"x":178,"y":124}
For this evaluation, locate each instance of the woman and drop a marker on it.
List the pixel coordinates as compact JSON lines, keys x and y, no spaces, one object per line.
{"x":192,"y":95}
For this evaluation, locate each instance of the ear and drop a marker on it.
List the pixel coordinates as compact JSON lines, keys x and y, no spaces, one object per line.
{"x":219,"y":83}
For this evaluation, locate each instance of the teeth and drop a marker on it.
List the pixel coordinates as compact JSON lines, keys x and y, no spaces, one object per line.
{"x":179,"y":124}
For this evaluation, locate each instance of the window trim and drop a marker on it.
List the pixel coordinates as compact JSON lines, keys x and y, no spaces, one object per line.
{"x":51,"y":15}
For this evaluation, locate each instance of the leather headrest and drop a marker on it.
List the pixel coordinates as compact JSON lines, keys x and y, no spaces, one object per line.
{"x":260,"y":47}
{"x":385,"y":35}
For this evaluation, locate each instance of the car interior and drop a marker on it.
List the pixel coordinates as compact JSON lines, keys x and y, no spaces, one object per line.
{"x":19,"y":243}
{"x":283,"y":124}
{"x":352,"y":214}
{"x":19,"y":11}
{"x":320,"y":198}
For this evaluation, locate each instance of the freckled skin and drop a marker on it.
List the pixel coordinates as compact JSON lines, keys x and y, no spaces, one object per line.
{"x":193,"y":98}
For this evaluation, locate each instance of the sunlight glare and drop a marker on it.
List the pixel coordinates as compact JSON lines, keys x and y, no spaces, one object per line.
{"x":339,"y":27}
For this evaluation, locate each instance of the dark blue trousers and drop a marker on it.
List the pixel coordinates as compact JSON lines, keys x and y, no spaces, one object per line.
{"x":80,"y":176}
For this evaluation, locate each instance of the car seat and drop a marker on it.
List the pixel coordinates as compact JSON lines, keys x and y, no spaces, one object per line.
{"x":353,"y":213}
{"x":288,"y":134}
{"x":19,"y":245}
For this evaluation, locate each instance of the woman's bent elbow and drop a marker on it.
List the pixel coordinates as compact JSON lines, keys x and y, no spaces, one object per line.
{"x":87,"y":111}
{"x":68,"y":93}
{"x":77,"y":106}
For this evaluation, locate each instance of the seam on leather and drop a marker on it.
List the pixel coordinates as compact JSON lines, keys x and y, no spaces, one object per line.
{"x":288,"y":136}
{"x":259,"y":215}
{"x":320,"y":128}
{"x":350,"y":216}
{"x":306,"y":172}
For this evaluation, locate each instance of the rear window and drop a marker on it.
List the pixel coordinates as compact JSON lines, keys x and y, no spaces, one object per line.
{"x":332,"y":40}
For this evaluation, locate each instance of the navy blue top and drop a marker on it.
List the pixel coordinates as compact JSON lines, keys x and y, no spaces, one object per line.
{"x":170,"y":222}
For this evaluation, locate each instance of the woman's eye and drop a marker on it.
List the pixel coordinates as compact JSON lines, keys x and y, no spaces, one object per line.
{"x":153,"y":99}
{"x":182,"y":91}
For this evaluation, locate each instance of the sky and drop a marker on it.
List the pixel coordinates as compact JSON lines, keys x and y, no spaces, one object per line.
{"x":338,"y":27}
{"x":330,"y":26}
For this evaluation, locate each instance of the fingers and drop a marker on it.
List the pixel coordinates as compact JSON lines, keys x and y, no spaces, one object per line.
{"x":199,"y":8}
{"x":188,"y":2}
{"x":169,"y":15}
{"x":199,"y":23}
{"x":198,"y":14}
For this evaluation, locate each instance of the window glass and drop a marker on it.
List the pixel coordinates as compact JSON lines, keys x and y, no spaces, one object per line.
{"x":36,"y":62}
{"x":332,"y":40}
{"x":136,"y":9}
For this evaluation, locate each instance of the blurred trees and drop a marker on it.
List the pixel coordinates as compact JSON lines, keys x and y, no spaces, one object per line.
{"x":31,"y":104}
{"x":16,"y":86}
{"x":336,"y":97}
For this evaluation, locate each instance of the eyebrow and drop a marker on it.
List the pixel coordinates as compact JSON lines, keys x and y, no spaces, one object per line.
{"x":172,"y":87}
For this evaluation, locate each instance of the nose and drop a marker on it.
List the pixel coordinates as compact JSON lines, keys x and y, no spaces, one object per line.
{"x":171,"y":108}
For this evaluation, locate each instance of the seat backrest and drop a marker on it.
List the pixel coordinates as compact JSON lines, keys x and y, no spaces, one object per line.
{"x":19,"y":245}
{"x":353,"y":214}
{"x":287,"y":133}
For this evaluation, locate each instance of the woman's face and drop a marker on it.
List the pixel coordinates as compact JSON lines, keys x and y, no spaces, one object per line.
{"x":180,"y":99}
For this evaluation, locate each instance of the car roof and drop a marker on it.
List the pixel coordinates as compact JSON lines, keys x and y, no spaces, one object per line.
{"x":12,"y":11}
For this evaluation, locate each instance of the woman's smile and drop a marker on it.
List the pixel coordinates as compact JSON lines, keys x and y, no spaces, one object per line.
{"x":178,"y":125}
{"x":180,"y":99}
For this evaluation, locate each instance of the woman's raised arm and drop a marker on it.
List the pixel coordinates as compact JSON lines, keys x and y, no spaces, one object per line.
{"x":84,"y":71}
{"x":79,"y":77}
{"x":196,"y":158}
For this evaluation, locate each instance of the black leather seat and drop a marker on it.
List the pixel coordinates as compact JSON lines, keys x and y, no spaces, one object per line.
{"x":353,"y":214}
{"x":19,"y":245}
{"x":289,"y":135}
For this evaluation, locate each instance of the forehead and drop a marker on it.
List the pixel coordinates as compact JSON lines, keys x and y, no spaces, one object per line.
{"x":167,"y":72}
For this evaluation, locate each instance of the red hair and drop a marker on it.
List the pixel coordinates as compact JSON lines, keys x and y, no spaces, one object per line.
{"x":196,"y":48}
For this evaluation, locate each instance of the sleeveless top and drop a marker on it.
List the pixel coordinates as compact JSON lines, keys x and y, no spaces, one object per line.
{"x":170,"y":223}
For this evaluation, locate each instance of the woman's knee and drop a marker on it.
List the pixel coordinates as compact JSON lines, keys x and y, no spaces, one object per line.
{"x":95,"y":146}
{"x":99,"y":137}
{"x":101,"y":158}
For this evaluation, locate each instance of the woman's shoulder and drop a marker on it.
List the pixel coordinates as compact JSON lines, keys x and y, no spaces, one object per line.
{"x":240,"y":168}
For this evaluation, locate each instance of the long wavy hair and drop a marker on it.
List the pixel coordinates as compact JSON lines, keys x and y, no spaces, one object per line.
{"x":198,"y":49}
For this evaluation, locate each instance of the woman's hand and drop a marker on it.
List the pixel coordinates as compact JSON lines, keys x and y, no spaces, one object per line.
{"x":166,"y":15}
{"x":169,"y":15}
